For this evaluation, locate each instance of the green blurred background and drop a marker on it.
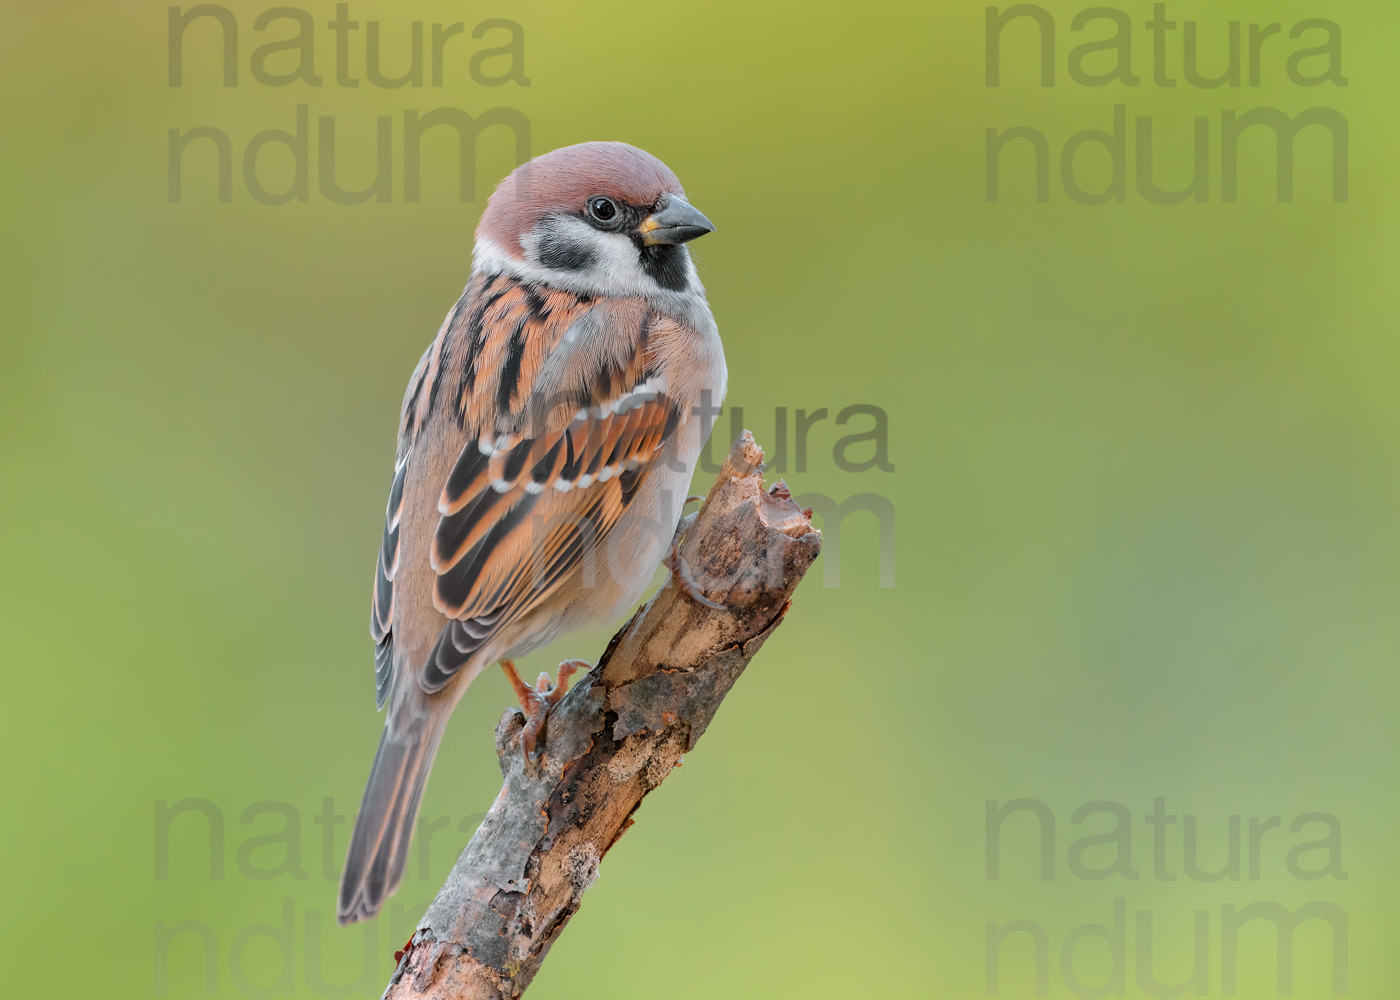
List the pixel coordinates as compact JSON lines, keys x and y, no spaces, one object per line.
{"x":1145,"y":486}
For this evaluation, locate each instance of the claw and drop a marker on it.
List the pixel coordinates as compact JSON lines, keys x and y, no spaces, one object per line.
{"x":536,"y":701}
{"x":680,"y":572}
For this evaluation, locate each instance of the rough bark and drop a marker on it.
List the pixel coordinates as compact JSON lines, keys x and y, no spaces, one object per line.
{"x":615,"y":736}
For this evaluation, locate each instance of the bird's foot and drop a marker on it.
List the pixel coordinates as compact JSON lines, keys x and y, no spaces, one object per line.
{"x":536,"y":701}
{"x":680,"y":572}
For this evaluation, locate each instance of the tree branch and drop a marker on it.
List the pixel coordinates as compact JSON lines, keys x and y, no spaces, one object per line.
{"x":611,"y":740}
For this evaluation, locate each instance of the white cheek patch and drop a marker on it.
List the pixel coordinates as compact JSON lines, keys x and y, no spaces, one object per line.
{"x":611,"y":264}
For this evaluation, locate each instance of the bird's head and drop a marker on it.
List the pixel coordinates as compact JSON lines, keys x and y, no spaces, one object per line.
{"x":599,"y":217}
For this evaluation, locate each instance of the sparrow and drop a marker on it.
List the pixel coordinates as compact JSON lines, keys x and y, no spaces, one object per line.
{"x":546,"y":442}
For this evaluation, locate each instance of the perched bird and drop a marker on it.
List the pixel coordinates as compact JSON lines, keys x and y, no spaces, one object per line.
{"x":546,"y":442}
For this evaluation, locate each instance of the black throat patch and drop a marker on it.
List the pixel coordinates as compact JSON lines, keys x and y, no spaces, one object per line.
{"x":665,"y":264}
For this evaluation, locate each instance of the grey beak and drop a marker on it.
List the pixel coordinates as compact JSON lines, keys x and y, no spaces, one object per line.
{"x":676,"y":221}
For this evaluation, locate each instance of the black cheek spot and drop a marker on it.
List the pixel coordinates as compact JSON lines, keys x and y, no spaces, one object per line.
{"x":560,"y":256}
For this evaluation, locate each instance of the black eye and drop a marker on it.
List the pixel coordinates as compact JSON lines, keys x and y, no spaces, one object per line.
{"x":602,"y":209}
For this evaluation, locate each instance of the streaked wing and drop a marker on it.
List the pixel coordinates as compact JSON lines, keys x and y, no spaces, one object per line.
{"x":518,"y":515}
{"x":381,"y":616}
{"x":386,"y":566}
{"x":553,"y":432}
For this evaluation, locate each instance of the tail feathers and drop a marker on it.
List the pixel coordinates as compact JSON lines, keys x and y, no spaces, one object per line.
{"x":379,"y":843}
